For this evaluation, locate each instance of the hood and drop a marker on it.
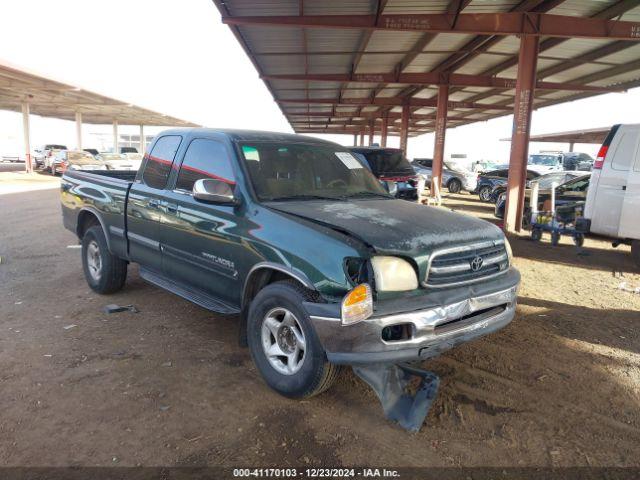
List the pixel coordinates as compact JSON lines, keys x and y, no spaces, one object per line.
{"x":395,"y":226}
{"x":542,"y":169}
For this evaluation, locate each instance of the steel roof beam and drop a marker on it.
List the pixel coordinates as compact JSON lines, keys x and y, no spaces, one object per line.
{"x":390,"y":101}
{"x":433,"y":78}
{"x":511,"y":23}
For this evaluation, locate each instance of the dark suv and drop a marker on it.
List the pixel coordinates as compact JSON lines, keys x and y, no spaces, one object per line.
{"x":489,"y":180}
{"x":392,"y":168}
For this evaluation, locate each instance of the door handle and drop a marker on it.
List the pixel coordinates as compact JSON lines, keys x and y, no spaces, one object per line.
{"x":172,"y":207}
{"x":153,"y":203}
{"x":624,"y":187}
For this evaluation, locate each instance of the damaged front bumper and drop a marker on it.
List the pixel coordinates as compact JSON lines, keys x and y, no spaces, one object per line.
{"x":456,"y":317}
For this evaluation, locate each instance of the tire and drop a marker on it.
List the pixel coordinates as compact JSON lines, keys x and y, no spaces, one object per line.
{"x":635,"y":252}
{"x":555,"y":238}
{"x":485,"y":194}
{"x":578,"y":239}
{"x":526,"y":219}
{"x":454,"y":186}
{"x":301,"y":375}
{"x":536,"y":234}
{"x":53,"y":169}
{"x":105,"y":273}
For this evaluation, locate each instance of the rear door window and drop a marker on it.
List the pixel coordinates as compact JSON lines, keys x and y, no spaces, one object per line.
{"x":160,"y":160}
{"x":205,"y":159}
{"x":625,"y":151}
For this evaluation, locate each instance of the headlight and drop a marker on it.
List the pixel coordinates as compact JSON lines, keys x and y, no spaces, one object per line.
{"x":357,"y":305}
{"x":393,"y":274}
{"x":507,"y":247}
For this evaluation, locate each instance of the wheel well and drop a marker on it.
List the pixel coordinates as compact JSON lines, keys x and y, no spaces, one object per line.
{"x":86,"y":220}
{"x":259,"y":279}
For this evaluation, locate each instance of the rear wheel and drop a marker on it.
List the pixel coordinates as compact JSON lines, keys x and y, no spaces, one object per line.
{"x":536,"y":234}
{"x":485,"y":194}
{"x":454,"y":186}
{"x":635,"y":252}
{"x":578,"y":239}
{"x":284,"y":345}
{"x":105,"y":273}
{"x":555,"y":238}
{"x":54,"y":172}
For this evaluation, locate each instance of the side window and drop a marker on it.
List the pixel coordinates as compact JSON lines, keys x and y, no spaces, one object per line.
{"x":625,"y":150}
{"x":160,"y":160}
{"x":205,"y":159}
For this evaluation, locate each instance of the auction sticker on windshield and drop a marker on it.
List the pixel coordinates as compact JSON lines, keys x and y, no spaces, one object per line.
{"x":349,"y":160}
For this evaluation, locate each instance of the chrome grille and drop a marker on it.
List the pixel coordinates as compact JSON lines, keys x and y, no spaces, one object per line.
{"x":467,"y":264}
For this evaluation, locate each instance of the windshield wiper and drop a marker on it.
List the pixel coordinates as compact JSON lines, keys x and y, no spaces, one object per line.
{"x":303,"y":196}
{"x":367,"y":194}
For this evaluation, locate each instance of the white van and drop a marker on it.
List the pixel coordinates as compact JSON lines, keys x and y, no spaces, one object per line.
{"x":612,"y":208}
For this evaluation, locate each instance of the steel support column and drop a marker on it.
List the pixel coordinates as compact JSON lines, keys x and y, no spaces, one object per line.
{"x":371,"y":132}
{"x":438,"y":147}
{"x":361,"y":138}
{"x":143,"y":143}
{"x":404,"y":128}
{"x":383,"y":130}
{"x":79,"y":130}
{"x":525,"y":84}
{"x":355,"y":139}
{"x":28,"y":166}
{"x":571,"y":145}
{"x":115,"y":136}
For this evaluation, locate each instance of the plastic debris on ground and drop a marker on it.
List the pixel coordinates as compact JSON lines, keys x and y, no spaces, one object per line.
{"x":625,"y":287}
{"x":74,"y":246}
{"x":113,"y":308}
{"x":406,"y":393}
{"x":69,"y":327}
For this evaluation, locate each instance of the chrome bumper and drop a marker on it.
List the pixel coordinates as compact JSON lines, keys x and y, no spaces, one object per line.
{"x":432,"y":331}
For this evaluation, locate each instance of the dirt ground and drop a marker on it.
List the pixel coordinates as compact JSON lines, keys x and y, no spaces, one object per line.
{"x":560,"y":386}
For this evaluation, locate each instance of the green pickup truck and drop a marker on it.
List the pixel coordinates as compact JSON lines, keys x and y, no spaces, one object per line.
{"x":294,"y":236}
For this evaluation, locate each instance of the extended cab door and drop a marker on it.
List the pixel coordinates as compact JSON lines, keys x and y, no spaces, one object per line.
{"x":202,"y":241}
{"x":610,"y":183}
{"x":143,"y":205}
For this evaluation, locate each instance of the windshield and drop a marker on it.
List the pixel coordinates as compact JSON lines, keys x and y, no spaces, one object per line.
{"x":112,"y":156}
{"x":290,"y":171}
{"x":387,"y":162}
{"x":80,"y":156}
{"x":544,"y":160}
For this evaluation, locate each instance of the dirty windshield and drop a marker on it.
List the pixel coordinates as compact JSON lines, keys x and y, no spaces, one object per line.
{"x":295,"y":171}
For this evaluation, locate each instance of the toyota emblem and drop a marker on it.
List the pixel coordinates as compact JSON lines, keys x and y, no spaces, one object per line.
{"x":476,"y":264}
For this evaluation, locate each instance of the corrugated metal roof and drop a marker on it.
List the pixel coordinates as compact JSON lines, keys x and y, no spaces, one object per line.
{"x":297,"y":50}
{"x":50,"y":98}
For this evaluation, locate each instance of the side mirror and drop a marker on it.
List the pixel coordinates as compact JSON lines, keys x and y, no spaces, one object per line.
{"x":214,"y":191}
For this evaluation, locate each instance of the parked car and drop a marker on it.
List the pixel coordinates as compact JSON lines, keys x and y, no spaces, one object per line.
{"x":392,"y":168}
{"x":128,"y":150}
{"x":612,"y":208}
{"x":573,"y":191}
{"x":75,"y":160}
{"x":92,"y":151}
{"x":296,"y":237}
{"x":553,"y":162}
{"x":454,"y":179}
{"x":119,"y":161}
{"x":544,"y":181}
{"x":45,"y":153}
{"x":489,"y":180}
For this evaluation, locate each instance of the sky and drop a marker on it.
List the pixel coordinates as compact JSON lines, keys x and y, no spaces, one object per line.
{"x":179,"y":59}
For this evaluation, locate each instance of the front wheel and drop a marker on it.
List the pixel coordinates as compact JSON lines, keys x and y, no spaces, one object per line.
{"x":54,"y":172}
{"x":485,"y":194}
{"x":284,"y":345}
{"x":454,"y":186}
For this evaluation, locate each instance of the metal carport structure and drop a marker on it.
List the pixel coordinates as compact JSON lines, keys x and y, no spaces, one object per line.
{"x":409,"y":67}
{"x":588,"y":135}
{"x":27,"y":92}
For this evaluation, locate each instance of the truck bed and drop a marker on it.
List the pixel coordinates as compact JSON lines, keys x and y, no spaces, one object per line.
{"x":99,"y":193}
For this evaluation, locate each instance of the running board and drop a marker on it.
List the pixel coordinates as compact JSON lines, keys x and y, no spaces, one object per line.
{"x":199,"y":298}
